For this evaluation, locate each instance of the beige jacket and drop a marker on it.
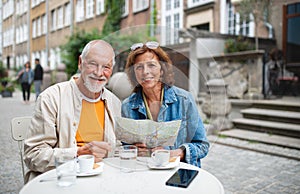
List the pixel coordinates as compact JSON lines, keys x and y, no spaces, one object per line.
{"x":54,"y":125}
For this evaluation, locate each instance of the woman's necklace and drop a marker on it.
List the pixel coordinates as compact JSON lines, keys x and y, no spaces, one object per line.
{"x":149,"y":115}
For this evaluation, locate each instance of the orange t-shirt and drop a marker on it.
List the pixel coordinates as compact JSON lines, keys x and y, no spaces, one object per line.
{"x":91,"y":124}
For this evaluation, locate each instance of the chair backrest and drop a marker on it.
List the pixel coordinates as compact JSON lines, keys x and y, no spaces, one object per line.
{"x":19,"y":128}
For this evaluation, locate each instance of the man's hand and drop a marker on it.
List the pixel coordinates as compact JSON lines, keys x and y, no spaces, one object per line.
{"x":97,"y":148}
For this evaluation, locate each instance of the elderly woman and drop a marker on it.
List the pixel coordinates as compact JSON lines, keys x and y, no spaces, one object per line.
{"x":155,"y":97}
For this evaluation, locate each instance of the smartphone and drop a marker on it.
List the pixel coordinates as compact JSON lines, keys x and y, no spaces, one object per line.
{"x":182,"y":178}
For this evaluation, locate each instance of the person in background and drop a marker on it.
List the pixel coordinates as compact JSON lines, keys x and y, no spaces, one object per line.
{"x":155,"y":97}
{"x":38,"y":77}
{"x":25,"y":76}
{"x":75,"y":117}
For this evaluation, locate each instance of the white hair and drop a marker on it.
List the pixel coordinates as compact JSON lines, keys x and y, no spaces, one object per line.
{"x":93,"y":42}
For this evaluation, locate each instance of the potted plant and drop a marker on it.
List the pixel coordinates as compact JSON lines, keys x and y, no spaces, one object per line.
{"x":6,"y":87}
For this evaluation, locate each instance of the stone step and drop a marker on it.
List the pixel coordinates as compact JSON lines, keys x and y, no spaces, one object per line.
{"x":272,"y":115}
{"x":255,"y":146}
{"x":261,"y":137}
{"x":278,"y":105}
{"x":292,"y":130}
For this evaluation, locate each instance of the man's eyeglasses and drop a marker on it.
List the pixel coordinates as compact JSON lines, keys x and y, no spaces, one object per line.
{"x":94,"y":66}
{"x":150,"y":45}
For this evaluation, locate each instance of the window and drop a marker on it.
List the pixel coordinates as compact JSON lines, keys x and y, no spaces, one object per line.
{"x":125,"y":8}
{"x":18,"y":35}
{"x":25,"y":30}
{"x":39,"y":27}
{"x":44,"y":20}
{"x":18,"y":8}
{"x":168,"y":30}
{"x":291,"y":40}
{"x":139,"y":5}
{"x":53,"y":20}
{"x":176,"y":3}
{"x":176,"y":28}
{"x":67,"y":14}
{"x":89,"y":8}
{"x":172,"y":18}
{"x":79,"y":11}
{"x":33,"y":28}
{"x":33,"y":3}
{"x":237,"y":26}
{"x":231,"y":19}
{"x":168,"y":5}
{"x":8,"y":9}
{"x":100,"y":6}
{"x":60,"y":19}
{"x":195,"y":3}
{"x":204,"y":26}
{"x":25,"y":6}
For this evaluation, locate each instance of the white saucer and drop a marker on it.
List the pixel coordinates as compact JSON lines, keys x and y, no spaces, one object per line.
{"x":174,"y":164}
{"x":94,"y":172}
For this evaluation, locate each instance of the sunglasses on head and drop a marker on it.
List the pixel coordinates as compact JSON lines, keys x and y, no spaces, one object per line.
{"x":150,"y":45}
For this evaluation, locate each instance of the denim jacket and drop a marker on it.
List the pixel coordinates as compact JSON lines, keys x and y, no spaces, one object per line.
{"x":177,"y":104}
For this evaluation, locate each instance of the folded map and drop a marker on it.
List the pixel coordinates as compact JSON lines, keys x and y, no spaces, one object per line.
{"x":149,"y":132}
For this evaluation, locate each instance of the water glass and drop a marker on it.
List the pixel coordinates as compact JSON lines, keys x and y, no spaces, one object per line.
{"x":128,"y":155}
{"x":66,"y":168}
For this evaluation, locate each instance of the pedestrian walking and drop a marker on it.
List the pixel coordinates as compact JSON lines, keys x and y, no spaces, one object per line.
{"x":26,"y":76}
{"x":38,"y":77}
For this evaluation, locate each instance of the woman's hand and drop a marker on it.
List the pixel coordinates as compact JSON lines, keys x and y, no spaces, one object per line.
{"x":97,"y":148}
{"x":142,"y":149}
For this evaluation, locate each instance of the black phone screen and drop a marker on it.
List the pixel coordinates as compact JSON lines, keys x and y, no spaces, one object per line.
{"x":182,"y":178}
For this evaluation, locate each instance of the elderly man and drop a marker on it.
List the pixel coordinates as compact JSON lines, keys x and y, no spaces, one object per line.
{"x":75,"y":117}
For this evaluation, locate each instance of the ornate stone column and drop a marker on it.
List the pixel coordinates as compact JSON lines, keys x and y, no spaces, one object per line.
{"x":217,"y":106}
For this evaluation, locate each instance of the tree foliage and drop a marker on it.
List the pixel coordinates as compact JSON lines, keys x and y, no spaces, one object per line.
{"x":114,"y":14}
{"x":259,"y":9}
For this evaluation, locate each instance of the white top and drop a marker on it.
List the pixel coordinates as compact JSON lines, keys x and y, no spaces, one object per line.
{"x":112,"y":180}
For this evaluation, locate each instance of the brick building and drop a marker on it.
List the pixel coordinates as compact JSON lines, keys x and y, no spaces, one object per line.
{"x":37,"y":28}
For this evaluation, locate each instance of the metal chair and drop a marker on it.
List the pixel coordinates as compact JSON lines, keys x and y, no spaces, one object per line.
{"x":19,"y":128}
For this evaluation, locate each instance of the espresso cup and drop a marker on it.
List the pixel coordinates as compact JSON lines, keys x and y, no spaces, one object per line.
{"x":86,"y":163}
{"x":161,"y":157}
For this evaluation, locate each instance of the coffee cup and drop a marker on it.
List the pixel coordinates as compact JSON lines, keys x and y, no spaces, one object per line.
{"x":86,"y":163}
{"x":161,"y":157}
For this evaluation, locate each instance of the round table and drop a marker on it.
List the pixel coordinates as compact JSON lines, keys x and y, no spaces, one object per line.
{"x":112,"y":180}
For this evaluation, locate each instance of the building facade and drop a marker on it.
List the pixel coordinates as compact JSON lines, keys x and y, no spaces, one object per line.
{"x":37,"y":28}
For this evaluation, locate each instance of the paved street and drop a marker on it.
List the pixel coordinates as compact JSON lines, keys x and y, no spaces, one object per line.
{"x":240,"y":171}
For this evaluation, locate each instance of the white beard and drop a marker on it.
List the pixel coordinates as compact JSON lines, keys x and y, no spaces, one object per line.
{"x":95,"y":88}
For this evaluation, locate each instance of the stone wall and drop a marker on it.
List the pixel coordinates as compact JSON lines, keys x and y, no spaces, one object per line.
{"x":242,"y":72}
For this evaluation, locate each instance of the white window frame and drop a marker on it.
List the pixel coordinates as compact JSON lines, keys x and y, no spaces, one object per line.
{"x":44,"y":21}
{"x":176,"y":24}
{"x":39,"y":26}
{"x":89,"y":6}
{"x":53,"y":20}
{"x":34,"y":28}
{"x":79,"y":11}
{"x":100,"y":4}
{"x":196,"y":3}
{"x":125,"y":8}
{"x":168,"y":5}
{"x":60,"y":17}
{"x":18,"y":37}
{"x":169,"y":35}
{"x":140,"y":5}
{"x":67,"y":14}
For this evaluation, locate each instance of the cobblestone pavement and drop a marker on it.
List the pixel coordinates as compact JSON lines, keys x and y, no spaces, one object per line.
{"x":240,"y":171}
{"x":243,"y":171}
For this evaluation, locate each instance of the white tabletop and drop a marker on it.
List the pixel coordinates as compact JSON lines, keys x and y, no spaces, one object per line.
{"x":111,"y":180}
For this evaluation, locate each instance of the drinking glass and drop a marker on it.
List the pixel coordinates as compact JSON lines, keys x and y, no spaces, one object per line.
{"x":66,"y":168}
{"x":128,"y":155}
